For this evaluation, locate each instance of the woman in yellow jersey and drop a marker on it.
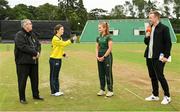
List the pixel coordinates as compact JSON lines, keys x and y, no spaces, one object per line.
{"x":56,"y":55}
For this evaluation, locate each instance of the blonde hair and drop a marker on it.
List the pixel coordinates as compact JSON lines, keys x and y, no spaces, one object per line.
{"x":156,"y":13}
{"x":106,"y":26}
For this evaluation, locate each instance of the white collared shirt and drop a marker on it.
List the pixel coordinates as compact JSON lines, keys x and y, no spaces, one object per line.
{"x":150,"y":53}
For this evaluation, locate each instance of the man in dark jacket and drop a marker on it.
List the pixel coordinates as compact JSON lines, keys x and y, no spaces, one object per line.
{"x":27,"y":51}
{"x":157,"y":52}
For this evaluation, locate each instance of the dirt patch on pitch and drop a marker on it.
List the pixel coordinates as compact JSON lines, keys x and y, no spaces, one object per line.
{"x":137,"y":75}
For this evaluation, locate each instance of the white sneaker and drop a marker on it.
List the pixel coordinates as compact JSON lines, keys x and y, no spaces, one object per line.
{"x":109,"y":94}
{"x":166,"y":100}
{"x":100,"y":93}
{"x":58,"y":94}
{"x":152,"y":98}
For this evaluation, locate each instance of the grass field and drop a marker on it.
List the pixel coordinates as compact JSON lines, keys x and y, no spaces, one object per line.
{"x":79,"y":81}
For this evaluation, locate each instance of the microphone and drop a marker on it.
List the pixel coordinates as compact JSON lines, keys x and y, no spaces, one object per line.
{"x":148,"y":29}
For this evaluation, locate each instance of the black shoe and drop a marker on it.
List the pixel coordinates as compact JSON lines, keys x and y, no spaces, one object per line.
{"x":23,"y":101}
{"x":38,"y":98}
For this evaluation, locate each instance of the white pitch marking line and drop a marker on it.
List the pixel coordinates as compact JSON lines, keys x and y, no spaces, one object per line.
{"x":134,"y":94}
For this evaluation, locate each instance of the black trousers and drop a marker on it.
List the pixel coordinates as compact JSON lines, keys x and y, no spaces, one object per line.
{"x":23,"y":71}
{"x":105,"y":73}
{"x":156,"y":73}
{"x":55,"y":66}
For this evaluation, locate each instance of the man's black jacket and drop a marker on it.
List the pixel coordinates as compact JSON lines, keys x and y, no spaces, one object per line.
{"x":161,"y":42}
{"x":26,"y":46}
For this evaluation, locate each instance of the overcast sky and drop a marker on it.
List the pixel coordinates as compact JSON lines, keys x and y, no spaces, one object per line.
{"x":89,"y":4}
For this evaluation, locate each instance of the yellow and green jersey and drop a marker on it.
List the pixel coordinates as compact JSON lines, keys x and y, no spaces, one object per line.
{"x":58,"y":47}
{"x":103,"y":43}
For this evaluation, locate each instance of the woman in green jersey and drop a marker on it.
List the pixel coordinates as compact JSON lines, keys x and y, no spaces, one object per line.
{"x":104,"y":59}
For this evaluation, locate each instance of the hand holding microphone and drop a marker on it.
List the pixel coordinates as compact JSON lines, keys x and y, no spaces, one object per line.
{"x":148,"y":31}
{"x":73,"y":39}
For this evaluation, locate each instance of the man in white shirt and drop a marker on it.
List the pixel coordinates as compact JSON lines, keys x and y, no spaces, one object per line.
{"x":158,"y":42}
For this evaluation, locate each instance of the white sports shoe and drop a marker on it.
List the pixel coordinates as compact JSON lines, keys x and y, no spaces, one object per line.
{"x":101,"y":92}
{"x":152,"y":98}
{"x":58,"y":94}
{"x":166,"y":100}
{"x":109,"y":94}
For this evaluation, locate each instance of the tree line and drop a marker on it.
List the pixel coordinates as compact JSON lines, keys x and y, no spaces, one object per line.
{"x":76,"y":14}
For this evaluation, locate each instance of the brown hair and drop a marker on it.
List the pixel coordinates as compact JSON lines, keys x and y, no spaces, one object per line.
{"x":57,"y":27}
{"x":156,"y":13}
{"x":106,"y":26}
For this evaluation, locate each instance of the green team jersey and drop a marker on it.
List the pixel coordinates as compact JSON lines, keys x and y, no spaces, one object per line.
{"x":103,"y":43}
